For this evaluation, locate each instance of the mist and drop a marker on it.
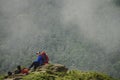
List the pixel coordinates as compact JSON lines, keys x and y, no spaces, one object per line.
{"x":97,"y":20}
{"x":28,"y":26}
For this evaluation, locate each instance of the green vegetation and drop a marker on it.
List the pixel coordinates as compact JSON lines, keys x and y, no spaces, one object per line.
{"x":58,"y":72}
{"x":1,"y":77}
{"x":70,"y":75}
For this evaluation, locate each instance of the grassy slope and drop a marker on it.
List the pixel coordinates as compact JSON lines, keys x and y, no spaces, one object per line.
{"x":70,"y":75}
{"x":1,"y":77}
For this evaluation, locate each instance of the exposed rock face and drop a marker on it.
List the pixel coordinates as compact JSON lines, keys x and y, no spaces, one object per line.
{"x":53,"y":68}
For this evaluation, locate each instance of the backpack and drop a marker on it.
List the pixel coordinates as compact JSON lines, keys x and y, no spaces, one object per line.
{"x":45,"y":58}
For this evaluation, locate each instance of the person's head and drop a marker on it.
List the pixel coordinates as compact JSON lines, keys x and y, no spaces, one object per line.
{"x":43,"y":52}
{"x":37,"y":53}
{"x":9,"y":73}
{"x":19,"y":67}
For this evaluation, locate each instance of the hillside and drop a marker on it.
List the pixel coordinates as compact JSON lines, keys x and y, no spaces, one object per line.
{"x":59,"y":72}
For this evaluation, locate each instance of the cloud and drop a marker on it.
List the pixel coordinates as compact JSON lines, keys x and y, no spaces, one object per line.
{"x":98,"y":20}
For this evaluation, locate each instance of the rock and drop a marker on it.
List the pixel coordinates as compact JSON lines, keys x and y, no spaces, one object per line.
{"x":53,"y":68}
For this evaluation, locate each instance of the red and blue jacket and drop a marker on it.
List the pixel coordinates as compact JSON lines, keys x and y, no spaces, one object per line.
{"x":39,"y":59}
{"x":45,"y":58}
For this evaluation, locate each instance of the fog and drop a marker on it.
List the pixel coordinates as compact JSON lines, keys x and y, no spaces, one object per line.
{"x":98,"y":20}
{"x":26,"y":26}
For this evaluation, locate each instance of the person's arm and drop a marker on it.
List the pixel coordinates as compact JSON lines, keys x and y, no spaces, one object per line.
{"x":40,"y":60}
{"x":47,"y":59}
{"x":37,"y":60}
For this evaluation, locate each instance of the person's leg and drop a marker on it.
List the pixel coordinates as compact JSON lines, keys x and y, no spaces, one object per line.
{"x":35,"y":64}
{"x":32,"y":65}
{"x":18,"y":71}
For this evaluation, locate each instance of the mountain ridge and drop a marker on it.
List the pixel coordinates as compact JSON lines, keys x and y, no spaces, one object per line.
{"x":59,"y":72}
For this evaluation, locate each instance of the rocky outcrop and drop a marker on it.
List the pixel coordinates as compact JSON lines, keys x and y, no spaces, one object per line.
{"x":52,"y":68}
{"x":59,"y":72}
{"x":48,"y":68}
